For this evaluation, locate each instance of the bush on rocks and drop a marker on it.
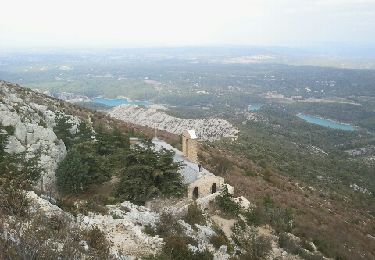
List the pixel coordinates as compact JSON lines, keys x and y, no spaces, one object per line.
{"x":226,"y":203}
{"x":194,"y":215}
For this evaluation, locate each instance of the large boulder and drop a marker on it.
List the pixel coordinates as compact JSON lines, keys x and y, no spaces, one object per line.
{"x":20,"y":132}
{"x":14,"y":146}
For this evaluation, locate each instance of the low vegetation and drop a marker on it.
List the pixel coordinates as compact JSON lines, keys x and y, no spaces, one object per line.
{"x":176,"y":247}
{"x":226,"y":204}
{"x":176,"y":241}
{"x":194,"y":215}
{"x":268,"y":213}
{"x":254,"y":246}
{"x":220,"y":239}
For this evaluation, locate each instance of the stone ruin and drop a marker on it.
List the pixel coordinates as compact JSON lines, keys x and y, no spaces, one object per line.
{"x":204,"y":183}
{"x":204,"y":186}
{"x":190,"y":145}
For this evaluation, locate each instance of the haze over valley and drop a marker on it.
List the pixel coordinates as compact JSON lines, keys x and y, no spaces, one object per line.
{"x":202,"y":130}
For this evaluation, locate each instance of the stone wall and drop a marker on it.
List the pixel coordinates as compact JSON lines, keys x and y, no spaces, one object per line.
{"x":190,"y":148}
{"x":205,"y":186}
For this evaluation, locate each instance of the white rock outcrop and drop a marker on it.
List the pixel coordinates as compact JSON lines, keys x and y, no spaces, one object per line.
{"x":210,"y":129}
{"x":123,"y":226}
{"x":33,"y":132}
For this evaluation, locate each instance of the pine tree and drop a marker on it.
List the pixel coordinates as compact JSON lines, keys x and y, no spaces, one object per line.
{"x":110,"y":142}
{"x":72,"y":174}
{"x":81,"y":167}
{"x":148,"y":174}
{"x":62,"y":130}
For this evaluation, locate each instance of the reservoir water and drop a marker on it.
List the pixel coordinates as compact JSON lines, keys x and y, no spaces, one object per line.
{"x":326,"y":122}
{"x":119,"y":101}
{"x":254,"y":107}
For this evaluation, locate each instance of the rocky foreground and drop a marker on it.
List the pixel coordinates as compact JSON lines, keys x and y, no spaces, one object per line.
{"x":33,"y":117}
{"x":124,"y":225}
{"x":76,"y":228}
{"x":210,"y":129}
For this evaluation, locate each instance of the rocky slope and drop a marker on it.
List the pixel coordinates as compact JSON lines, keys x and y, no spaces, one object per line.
{"x":207,"y":129}
{"x":131,"y":231}
{"x":33,"y":117}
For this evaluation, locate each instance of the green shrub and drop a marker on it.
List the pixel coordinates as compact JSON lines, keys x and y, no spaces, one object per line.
{"x":255,"y":246}
{"x":194,"y":215}
{"x":258,"y":247}
{"x":110,"y":142}
{"x":67,"y":205}
{"x":254,"y":217}
{"x":267,"y":174}
{"x":205,"y":255}
{"x":57,"y":223}
{"x":268,"y":213}
{"x":168,"y":225}
{"x":250,"y":173}
{"x":98,"y":243}
{"x":13,"y":200}
{"x":97,"y":204}
{"x":290,"y":245}
{"x":268,"y":201}
{"x":280,"y":219}
{"x":220,"y":239}
{"x":176,"y":248}
{"x":115,"y":216}
{"x":325,"y":247}
{"x":149,"y":230}
{"x":226,"y":203}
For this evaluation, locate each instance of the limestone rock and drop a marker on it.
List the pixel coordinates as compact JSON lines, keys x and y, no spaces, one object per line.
{"x":20,"y":132}
{"x":207,"y":129}
{"x":243,"y":202}
{"x":14,"y":146}
{"x":29,"y":136}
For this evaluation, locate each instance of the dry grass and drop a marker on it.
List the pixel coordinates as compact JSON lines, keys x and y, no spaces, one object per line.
{"x":337,"y":227}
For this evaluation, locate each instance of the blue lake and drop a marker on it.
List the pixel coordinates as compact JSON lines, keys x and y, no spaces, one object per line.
{"x":326,"y":122}
{"x":119,"y":101}
{"x":254,"y":107}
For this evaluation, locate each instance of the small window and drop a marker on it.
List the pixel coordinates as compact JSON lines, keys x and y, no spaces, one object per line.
{"x":195,"y":193}
{"x":213,"y":188}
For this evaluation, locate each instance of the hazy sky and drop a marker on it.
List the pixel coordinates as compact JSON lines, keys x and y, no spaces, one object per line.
{"x":140,"y":23}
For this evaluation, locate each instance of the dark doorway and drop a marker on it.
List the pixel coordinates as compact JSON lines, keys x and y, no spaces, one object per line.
{"x":195,"y":193}
{"x":213,"y":188}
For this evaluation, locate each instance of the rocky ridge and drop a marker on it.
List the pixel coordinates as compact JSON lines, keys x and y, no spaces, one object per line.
{"x":207,"y":129}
